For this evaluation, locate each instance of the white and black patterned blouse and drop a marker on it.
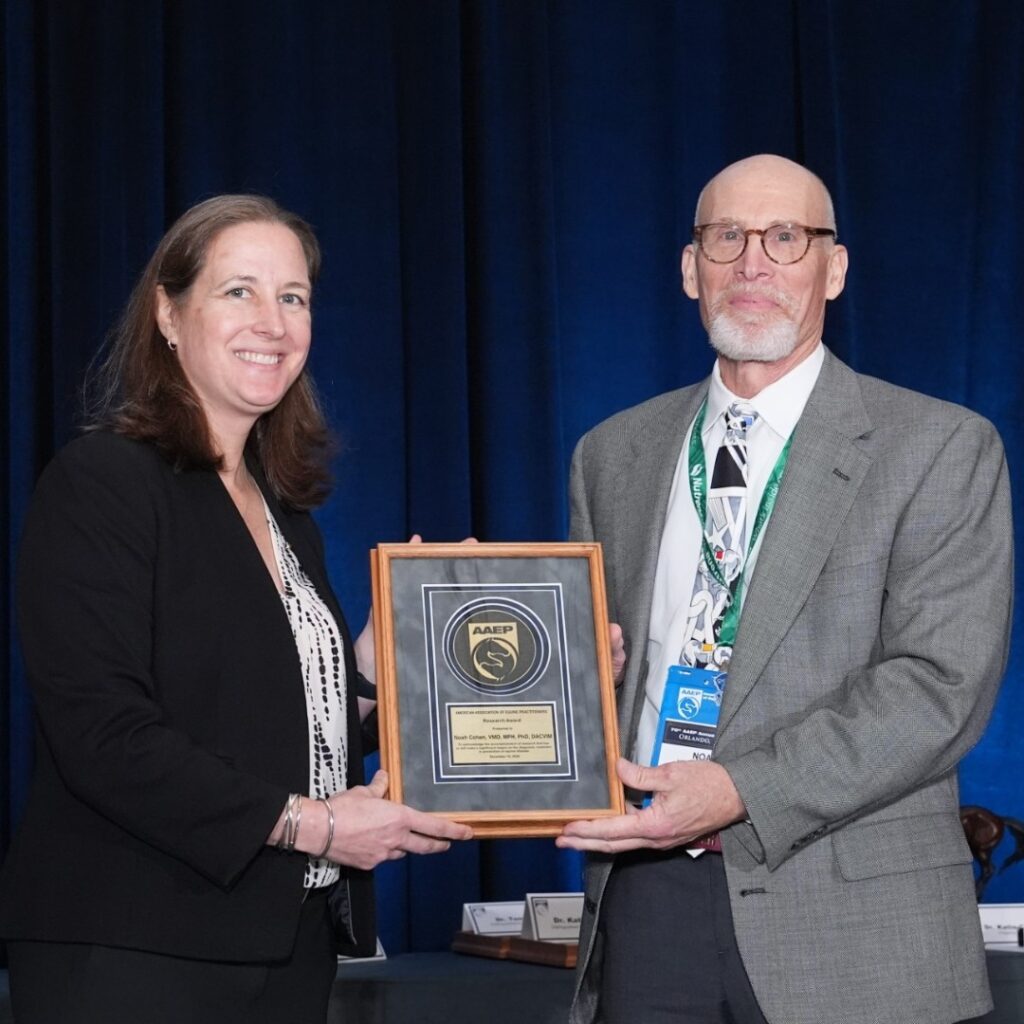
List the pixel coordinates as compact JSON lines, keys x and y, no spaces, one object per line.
{"x":319,"y":643}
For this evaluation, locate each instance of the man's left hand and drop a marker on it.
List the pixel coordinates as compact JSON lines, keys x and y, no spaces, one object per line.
{"x":618,"y":648}
{"x":691,"y":799}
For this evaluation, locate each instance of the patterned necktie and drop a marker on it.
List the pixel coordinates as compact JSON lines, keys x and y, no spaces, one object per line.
{"x":725,"y":529}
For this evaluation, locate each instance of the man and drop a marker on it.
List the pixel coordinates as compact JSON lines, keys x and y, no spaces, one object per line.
{"x":857,"y":615}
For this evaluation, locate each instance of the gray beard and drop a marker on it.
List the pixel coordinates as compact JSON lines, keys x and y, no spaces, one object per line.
{"x":752,"y":342}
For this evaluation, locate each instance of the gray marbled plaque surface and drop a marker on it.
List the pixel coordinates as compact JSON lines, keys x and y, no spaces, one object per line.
{"x":499,"y":703}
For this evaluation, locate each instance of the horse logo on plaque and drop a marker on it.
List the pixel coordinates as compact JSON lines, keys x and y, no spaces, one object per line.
{"x":496,"y":646}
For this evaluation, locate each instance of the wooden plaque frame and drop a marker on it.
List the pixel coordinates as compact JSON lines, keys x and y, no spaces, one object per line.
{"x":416,"y":669}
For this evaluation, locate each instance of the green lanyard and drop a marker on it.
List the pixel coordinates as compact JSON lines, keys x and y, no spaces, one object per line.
{"x":698,"y":476}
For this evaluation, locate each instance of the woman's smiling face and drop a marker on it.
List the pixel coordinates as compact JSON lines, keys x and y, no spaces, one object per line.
{"x":242,"y":331}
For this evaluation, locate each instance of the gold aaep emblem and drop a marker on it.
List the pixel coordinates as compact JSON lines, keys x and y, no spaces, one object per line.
{"x":496,"y":645}
{"x":493,"y":649}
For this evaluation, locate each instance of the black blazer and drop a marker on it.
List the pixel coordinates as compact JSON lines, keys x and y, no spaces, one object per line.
{"x":172,"y":717}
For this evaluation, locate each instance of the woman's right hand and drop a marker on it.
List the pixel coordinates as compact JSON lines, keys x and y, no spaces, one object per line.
{"x":369,"y":828}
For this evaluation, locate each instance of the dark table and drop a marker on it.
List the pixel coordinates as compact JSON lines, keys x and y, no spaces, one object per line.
{"x":445,"y":988}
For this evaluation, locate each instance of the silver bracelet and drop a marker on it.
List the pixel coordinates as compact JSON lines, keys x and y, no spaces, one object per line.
{"x":298,"y":818}
{"x":330,"y":829}
{"x":286,"y":829}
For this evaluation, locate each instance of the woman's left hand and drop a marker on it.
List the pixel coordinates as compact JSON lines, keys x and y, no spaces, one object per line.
{"x":366,"y":652}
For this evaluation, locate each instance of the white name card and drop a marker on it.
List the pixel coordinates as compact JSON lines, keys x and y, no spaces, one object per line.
{"x":493,"y":918}
{"x":1002,"y":925}
{"x":379,"y":954}
{"x":553,"y":916}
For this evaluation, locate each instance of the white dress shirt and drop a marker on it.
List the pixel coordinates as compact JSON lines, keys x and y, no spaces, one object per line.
{"x":779,"y":407}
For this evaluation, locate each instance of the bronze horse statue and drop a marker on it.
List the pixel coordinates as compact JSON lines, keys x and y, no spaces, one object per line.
{"x":984,"y":830}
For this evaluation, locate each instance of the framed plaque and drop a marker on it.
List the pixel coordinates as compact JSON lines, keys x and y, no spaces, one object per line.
{"x":496,"y":702}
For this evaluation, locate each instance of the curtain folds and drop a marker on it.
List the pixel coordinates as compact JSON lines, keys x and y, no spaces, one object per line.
{"x":502,"y":190}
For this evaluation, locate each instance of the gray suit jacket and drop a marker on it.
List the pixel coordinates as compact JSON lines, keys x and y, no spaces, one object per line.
{"x":871,"y":645}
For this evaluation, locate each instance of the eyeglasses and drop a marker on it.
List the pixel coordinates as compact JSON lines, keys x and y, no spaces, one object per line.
{"x":782,"y":243}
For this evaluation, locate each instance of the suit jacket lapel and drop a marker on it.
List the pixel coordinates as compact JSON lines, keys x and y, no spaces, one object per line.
{"x":825,"y":470}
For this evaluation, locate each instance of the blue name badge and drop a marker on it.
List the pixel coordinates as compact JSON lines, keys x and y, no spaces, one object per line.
{"x":689,"y":715}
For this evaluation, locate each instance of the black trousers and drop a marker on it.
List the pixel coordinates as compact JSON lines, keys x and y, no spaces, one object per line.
{"x":75,"y":983}
{"x":670,"y":953}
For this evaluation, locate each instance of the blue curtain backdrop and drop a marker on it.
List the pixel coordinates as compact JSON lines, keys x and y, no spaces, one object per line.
{"x":502,"y":190}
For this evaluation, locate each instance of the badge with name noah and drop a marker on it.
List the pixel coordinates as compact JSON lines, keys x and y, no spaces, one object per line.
{"x":496,"y":646}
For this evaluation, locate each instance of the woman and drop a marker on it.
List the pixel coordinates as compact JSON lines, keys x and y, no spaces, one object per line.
{"x":196,"y":841}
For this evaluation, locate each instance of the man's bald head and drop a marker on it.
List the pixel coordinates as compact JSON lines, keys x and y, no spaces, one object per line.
{"x":770,"y":170}
{"x":758,"y":311}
